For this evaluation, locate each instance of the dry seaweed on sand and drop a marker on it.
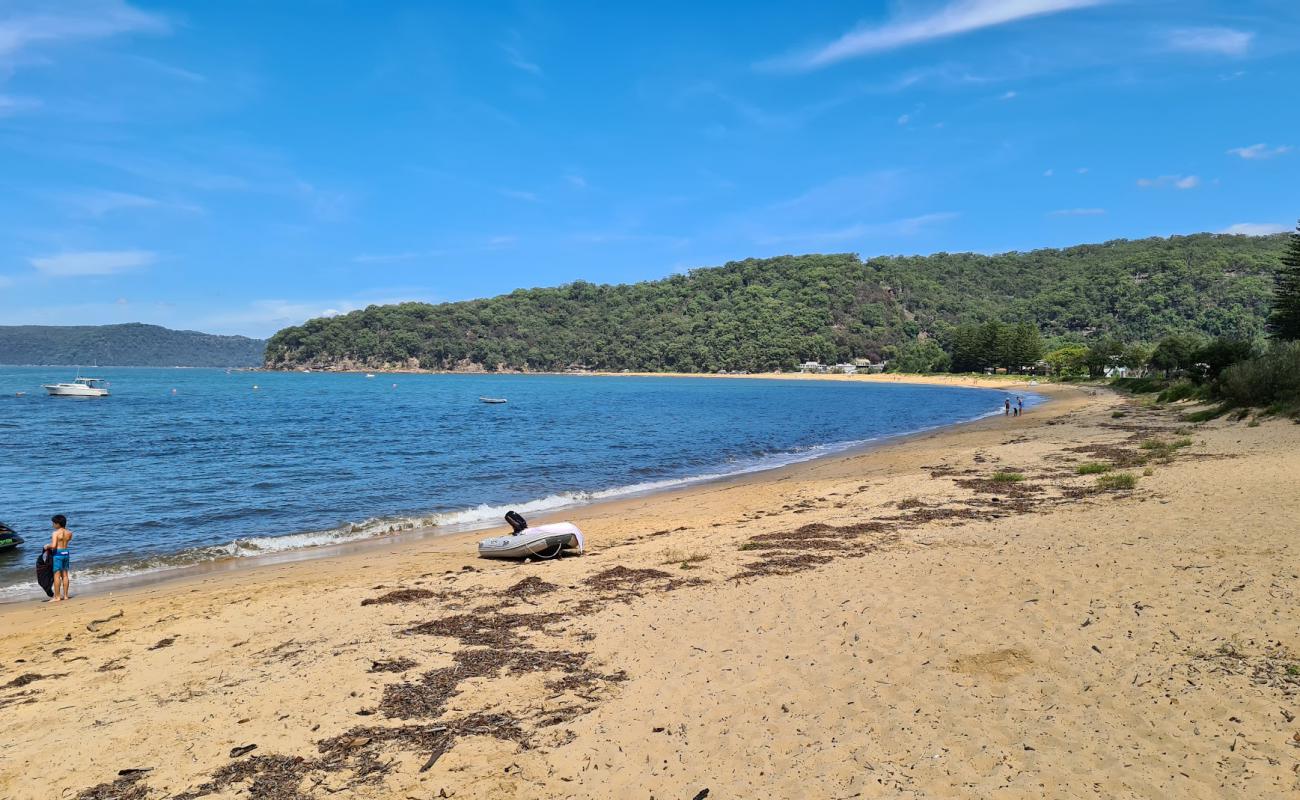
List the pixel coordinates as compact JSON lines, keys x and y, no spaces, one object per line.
{"x":30,"y":677}
{"x":392,"y":665}
{"x":1274,"y":667}
{"x":125,"y":787}
{"x":529,"y":587}
{"x":400,"y":596}
{"x":485,"y":630}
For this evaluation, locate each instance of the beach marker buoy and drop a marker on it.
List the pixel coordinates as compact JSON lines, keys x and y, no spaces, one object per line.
{"x":255,"y":387}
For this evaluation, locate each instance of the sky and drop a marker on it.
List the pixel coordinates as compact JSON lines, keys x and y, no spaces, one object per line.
{"x":240,"y":166}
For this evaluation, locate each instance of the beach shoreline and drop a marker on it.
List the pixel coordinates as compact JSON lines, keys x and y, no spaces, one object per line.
{"x":904,"y":619}
{"x":167,"y":574}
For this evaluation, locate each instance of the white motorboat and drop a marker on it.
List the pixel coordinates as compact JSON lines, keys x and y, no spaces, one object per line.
{"x":493,"y":401}
{"x":542,"y":542}
{"x":80,"y":387}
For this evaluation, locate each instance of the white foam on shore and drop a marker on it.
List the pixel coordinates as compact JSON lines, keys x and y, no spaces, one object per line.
{"x":468,"y":519}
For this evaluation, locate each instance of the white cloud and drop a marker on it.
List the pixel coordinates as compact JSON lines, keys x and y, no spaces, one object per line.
{"x":101,"y":202}
{"x":904,"y":119}
{"x":955,"y":18}
{"x":1010,"y":95}
{"x":1256,"y":229}
{"x":1181,"y":182}
{"x":30,"y":25}
{"x":1220,"y":41}
{"x":1077,"y":212}
{"x":1259,"y":151}
{"x":93,"y":262}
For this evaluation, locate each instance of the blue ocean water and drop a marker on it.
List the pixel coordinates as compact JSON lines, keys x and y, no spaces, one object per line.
{"x":181,"y":465}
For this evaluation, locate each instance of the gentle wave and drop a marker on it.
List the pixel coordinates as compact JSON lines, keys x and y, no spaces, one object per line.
{"x":468,"y":519}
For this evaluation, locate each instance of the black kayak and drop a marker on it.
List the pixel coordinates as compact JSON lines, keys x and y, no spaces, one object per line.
{"x":8,"y":539}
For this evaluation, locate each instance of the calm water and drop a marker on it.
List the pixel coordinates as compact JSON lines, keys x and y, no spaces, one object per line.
{"x":152,"y":477}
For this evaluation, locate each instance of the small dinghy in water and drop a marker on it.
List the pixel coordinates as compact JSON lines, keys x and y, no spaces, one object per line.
{"x":544,"y":541}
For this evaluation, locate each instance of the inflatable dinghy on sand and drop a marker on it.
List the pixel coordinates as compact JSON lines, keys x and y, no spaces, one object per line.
{"x":542,"y":542}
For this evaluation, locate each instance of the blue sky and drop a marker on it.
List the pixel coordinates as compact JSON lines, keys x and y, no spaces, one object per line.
{"x":239,"y":166}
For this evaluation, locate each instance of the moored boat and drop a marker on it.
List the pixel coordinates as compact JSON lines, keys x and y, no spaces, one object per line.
{"x":79,"y":387}
{"x":493,"y":400}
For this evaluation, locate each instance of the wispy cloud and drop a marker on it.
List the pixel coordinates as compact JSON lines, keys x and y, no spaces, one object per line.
{"x":1256,"y":229}
{"x":955,"y":18}
{"x":909,"y":226}
{"x":1221,"y":41}
{"x":29,"y":25}
{"x":93,"y":262}
{"x":102,"y":202}
{"x":1077,"y":212}
{"x":576,"y":181}
{"x":517,"y":194}
{"x":1009,"y":95}
{"x":1181,"y":182}
{"x":1259,"y":152}
{"x":517,"y":60}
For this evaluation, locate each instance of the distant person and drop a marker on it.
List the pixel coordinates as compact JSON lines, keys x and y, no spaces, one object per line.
{"x":62,"y":559}
{"x":1020,"y":405}
{"x":1006,"y":409}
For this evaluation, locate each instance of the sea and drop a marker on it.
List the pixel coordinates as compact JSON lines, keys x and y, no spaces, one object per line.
{"x":181,"y":466}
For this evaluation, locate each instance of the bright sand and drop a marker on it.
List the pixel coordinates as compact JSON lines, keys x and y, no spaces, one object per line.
{"x":931,"y":642}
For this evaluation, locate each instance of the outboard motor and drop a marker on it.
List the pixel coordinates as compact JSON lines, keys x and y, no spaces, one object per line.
{"x":517,"y":521}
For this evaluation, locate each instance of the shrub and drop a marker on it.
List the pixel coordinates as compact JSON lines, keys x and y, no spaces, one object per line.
{"x":1182,"y":390}
{"x":1092,"y":469}
{"x":1007,"y":477}
{"x":1116,"y":481}
{"x":1261,"y":382}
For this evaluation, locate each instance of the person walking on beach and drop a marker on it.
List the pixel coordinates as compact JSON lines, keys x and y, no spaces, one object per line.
{"x":1020,"y":405}
{"x":1006,"y":409}
{"x":59,"y":542}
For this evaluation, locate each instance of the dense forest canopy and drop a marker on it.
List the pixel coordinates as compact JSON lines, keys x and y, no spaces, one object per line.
{"x":130,"y":345}
{"x":769,"y":314}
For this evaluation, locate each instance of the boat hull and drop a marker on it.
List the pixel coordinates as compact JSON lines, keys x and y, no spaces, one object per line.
{"x":75,"y":391}
{"x":544,"y":541}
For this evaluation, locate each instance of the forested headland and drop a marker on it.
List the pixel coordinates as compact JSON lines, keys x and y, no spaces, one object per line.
{"x":129,"y":345}
{"x":771,"y":314}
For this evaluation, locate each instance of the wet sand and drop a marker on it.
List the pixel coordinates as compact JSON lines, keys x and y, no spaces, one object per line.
{"x":894,"y":622}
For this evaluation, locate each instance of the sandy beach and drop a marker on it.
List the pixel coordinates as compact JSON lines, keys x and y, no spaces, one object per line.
{"x":909,"y":621}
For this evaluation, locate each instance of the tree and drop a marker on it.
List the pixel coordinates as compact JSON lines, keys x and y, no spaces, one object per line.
{"x":1284,"y":322}
{"x":1223,"y":352}
{"x":923,"y":356}
{"x":1103,"y":354}
{"x":1068,"y":362}
{"x":1176,"y":353}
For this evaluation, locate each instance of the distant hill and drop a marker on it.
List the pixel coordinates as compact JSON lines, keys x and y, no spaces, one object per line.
{"x":773,"y":313}
{"x":130,"y":345}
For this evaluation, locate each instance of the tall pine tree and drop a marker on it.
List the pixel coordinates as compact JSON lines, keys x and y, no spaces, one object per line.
{"x":1284,"y":322}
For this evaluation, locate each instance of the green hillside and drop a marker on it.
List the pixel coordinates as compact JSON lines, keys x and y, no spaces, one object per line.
{"x":773,"y":313}
{"x":130,"y":345}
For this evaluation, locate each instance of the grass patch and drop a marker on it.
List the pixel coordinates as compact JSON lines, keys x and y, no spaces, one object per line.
{"x":1118,"y":415}
{"x":1116,"y":481}
{"x":1254,"y":422}
{"x":1007,"y":477}
{"x":1207,"y":414}
{"x":1148,"y":472}
{"x":1094,"y":468}
{"x":683,"y":559}
{"x":1183,"y":390}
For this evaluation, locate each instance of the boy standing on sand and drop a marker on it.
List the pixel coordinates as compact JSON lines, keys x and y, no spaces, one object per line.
{"x":1006,"y":408}
{"x":62,"y":559}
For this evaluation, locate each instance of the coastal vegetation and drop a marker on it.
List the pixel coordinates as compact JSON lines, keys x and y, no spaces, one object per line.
{"x":959,"y":312}
{"x":130,"y":345}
